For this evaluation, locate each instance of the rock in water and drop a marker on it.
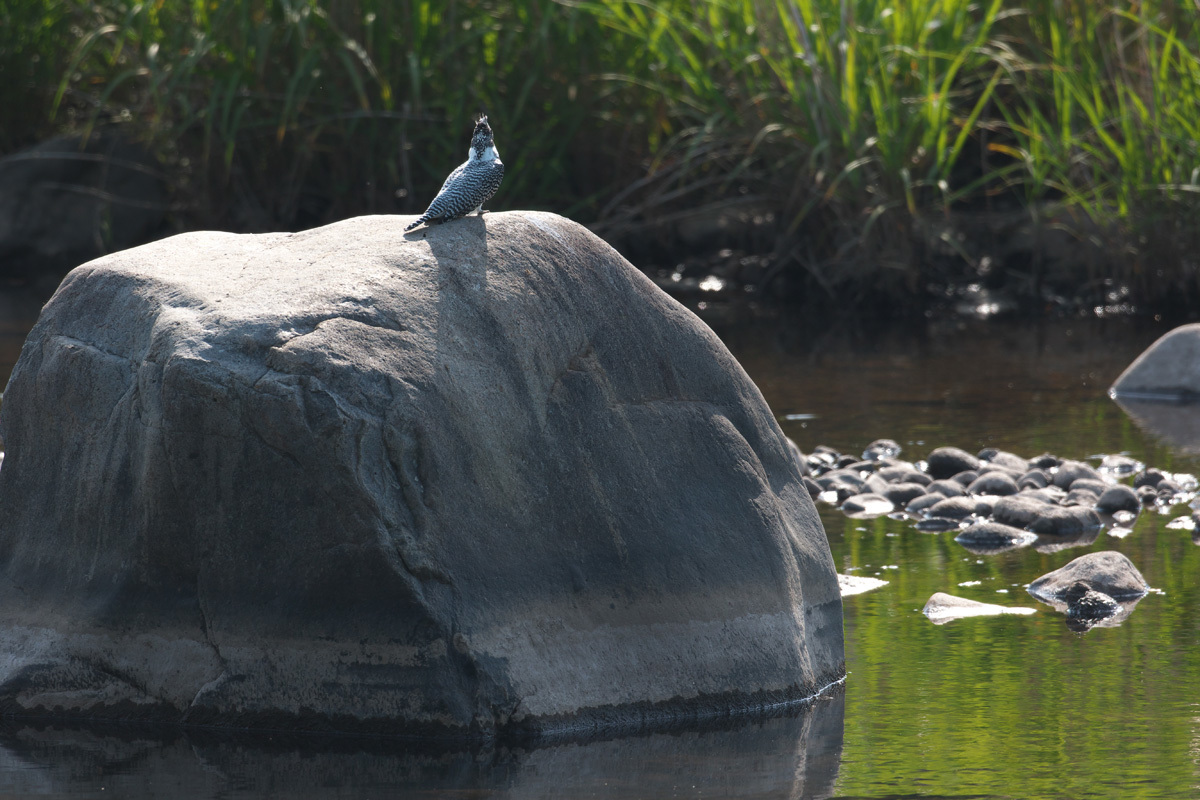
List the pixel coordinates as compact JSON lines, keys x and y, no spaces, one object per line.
{"x":1168,"y":370}
{"x":486,"y":481}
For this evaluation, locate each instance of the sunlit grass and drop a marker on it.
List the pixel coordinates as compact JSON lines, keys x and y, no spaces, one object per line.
{"x":854,"y":122}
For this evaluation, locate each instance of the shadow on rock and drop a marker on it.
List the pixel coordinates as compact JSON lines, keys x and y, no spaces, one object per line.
{"x":793,"y":755}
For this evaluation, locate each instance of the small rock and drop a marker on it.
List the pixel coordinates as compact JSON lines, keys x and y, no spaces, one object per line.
{"x":866,"y":506}
{"x":1168,"y":491}
{"x":881,"y":448}
{"x":1019,"y":510}
{"x":949,"y":488}
{"x":1000,"y":458}
{"x":942,"y":608}
{"x":857,"y":584}
{"x":987,"y":538}
{"x":1045,"y":461}
{"x":1035,"y":479}
{"x":966,"y":478}
{"x":1118,"y":498}
{"x":1108,"y":572}
{"x":946,"y":462}
{"x":1120,"y":466}
{"x":923,"y":502}
{"x":1092,"y":485}
{"x":1149,"y":477}
{"x":1084,"y":602}
{"x":903,"y":493}
{"x":1071,"y":471}
{"x":876,"y":484}
{"x":1064,"y":520}
{"x":904,"y":474}
{"x":812,"y":486}
{"x":1056,"y":544}
{"x":937,"y":524}
{"x":954,"y":508}
{"x":1186,"y":523}
{"x":1080,"y":497}
{"x":1146,"y":495}
{"x":993,"y":483}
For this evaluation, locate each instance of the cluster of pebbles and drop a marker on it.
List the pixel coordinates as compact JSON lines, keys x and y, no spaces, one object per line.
{"x":998,"y":501}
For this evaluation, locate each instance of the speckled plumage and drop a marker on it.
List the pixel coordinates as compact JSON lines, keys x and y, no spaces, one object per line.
{"x":470,"y":185}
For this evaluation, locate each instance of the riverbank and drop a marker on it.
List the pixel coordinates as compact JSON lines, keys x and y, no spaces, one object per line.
{"x":868,"y":155}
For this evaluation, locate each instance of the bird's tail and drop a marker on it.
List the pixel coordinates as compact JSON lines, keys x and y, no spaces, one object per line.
{"x":420,"y":221}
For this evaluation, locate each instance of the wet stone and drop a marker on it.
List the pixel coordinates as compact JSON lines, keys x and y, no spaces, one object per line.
{"x":1064,"y":520}
{"x":1071,"y":471}
{"x":867,"y":505}
{"x":1118,"y":498}
{"x":851,"y":585}
{"x":946,"y":462}
{"x":903,"y":493}
{"x":994,"y":483}
{"x":937,"y":524}
{"x":1035,"y":479}
{"x":1150,"y":477}
{"x":1146,"y":495}
{"x":942,"y":608}
{"x":1080,"y":497}
{"x":1120,"y":466}
{"x":1019,"y":510}
{"x":994,"y":535}
{"x":965,"y":479}
{"x":1092,"y":485}
{"x":1001,"y":458}
{"x":1108,"y":571}
{"x":925,"y":501}
{"x":954,"y":508}
{"x":812,"y":486}
{"x":1045,"y":461}
{"x":880,"y":449}
{"x":1083,"y":602}
{"x":949,"y":488}
{"x":1168,"y":490}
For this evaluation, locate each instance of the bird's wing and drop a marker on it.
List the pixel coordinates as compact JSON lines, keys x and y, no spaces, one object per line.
{"x":458,"y":171}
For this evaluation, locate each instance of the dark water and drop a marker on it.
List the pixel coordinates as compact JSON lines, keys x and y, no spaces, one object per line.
{"x":1005,"y":706}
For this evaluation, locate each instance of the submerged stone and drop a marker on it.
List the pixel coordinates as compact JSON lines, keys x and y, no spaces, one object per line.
{"x":942,"y":608}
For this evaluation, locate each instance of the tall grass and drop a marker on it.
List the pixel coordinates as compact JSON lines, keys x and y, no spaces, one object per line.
{"x":860,"y":126}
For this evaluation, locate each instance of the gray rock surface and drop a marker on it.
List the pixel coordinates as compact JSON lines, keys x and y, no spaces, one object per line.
{"x":942,"y":608}
{"x":987,"y":538}
{"x":481,"y":479}
{"x":1108,"y":572}
{"x":1168,"y":370}
{"x":946,"y":462}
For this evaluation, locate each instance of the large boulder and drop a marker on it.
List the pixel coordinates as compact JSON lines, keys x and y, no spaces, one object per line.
{"x":1167,"y":370}
{"x":483,"y":478}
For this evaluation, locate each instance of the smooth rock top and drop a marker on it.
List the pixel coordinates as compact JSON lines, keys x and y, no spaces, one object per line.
{"x":484,"y":477}
{"x":942,"y":608}
{"x":1108,"y":571}
{"x":1168,"y":370}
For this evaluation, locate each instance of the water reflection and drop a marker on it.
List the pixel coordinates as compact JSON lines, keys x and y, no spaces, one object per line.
{"x":794,"y":755}
{"x":1176,"y":425}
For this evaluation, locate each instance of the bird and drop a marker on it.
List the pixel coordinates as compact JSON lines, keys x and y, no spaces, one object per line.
{"x":472,"y":184}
